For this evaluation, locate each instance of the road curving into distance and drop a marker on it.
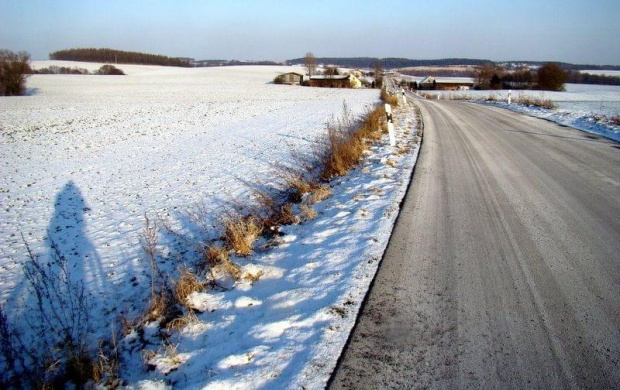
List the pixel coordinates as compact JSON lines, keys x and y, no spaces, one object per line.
{"x":503,"y":270}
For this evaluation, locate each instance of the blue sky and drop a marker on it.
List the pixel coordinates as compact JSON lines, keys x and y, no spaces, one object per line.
{"x":570,"y":30}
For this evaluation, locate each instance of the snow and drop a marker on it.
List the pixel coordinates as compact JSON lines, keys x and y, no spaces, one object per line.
{"x":582,"y":106}
{"x":287,"y":331}
{"x":84,"y":158}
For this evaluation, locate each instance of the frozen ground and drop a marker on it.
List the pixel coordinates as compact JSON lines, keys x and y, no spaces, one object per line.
{"x":585,"y":107}
{"x":84,"y":158}
{"x":88,"y":156}
{"x":288,"y":329}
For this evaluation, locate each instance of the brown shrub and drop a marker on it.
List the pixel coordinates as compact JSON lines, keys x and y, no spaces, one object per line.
{"x":14,"y":70}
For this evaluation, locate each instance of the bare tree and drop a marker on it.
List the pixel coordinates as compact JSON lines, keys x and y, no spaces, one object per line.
{"x":310,"y":63}
{"x":14,"y":69}
{"x":484,"y":74}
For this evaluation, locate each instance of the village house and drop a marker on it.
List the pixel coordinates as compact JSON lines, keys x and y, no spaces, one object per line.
{"x":446,"y":83}
{"x":291,"y":78}
{"x":335,"y":81}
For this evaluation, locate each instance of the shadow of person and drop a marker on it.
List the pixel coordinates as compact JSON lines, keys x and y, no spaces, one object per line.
{"x":59,"y":308}
{"x":67,"y":236}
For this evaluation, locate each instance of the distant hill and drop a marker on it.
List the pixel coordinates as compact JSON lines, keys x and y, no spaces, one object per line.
{"x":394,"y":63}
{"x":118,"y":56}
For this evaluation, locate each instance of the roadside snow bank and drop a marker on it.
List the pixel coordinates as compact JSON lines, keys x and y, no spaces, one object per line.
{"x":585,"y":121}
{"x":589,"y":108}
{"x":288,"y":329}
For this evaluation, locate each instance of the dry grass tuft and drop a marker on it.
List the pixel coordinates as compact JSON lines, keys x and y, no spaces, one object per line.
{"x":403,"y":150}
{"x":80,"y":369}
{"x":536,"y":102}
{"x":299,"y":187}
{"x":345,"y":151}
{"x":389,"y":99}
{"x":390,"y":163}
{"x":107,"y":364}
{"x":216,"y":254}
{"x":241,"y":233}
{"x":253,"y":277}
{"x":281,"y":215}
{"x":319,"y":193}
{"x":373,"y":124}
{"x":182,"y":322}
{"x":160,"y":307}
{"x":346,"y":143}
{"x":187,"y":284}
{"x":229,"y":268}
{"x":307,"y":212}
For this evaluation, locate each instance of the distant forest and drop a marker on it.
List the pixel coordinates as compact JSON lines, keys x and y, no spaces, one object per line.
{"x":117,"y":56}
{"x":211,"y":63}
{"x":393,"y":63}
{"x":587,"y":78}
{"x":388,"y":63}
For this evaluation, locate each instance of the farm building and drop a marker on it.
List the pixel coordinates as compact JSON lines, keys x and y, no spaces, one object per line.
{"x":446,"y":83}
{"x":335,"y":81}
{"x":291,"y":78}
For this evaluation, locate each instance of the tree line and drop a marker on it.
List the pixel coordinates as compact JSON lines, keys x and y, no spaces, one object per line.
{"x":576,"y":77}
{"x":117,"y":56}
{"x":369,"y":62}
{"x":394,"y":63}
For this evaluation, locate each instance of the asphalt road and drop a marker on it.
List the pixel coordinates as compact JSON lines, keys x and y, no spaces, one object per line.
{"x":503,"y":270}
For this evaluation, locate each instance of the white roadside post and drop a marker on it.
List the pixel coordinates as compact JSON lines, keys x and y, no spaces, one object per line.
{"x":509,"y":96}
{"x":388,"y":114}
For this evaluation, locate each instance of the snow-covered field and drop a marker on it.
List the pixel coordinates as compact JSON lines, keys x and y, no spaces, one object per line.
{"x":84,"y":158}
{"x":586,"y":107}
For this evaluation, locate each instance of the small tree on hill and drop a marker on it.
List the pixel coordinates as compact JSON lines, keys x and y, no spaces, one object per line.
{"x":551,"y":77}
{"x":14,"y":70}
{"x":310,"y":63}
{"x":484,"y":74}
{"x":496,"y":82}
{"x":110,"y":70}
{"x":378,"y":70}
